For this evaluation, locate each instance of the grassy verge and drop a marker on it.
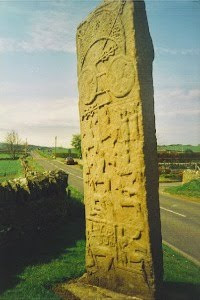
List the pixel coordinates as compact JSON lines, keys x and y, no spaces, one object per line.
{"x":181,"y":276}
{"x":178,"y":269}
{"x":45,"y":154}
{"x":189,"y":189}
{"x":34,"y":165}
{"x":30,"y":272}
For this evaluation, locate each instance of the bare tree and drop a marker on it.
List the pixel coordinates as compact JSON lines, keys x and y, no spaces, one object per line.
{"x":13,"y":143}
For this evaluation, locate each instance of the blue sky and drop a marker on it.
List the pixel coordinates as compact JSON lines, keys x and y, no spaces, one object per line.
{"x":38,"y":81}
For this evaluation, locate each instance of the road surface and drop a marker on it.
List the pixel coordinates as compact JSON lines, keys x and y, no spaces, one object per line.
{"x":180,"y":219}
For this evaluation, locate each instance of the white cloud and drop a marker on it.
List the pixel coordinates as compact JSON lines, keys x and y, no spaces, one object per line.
{"x":181,"y":113}
{"x":177,"y":100}
{"x":177,"y":115}
{"x":40,"y":120}
{"x":7,"y":44}
{"x":189,"y":51}
{"x":9,"y":87}
{"x":52,"y":31}
{"x":60,"y":112}
{"x":49,"y":30}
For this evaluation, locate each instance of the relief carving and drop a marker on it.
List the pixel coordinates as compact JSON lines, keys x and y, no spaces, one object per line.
{"x":88,"y":85}
{"x":105,"y":69}
{"x":100,"y":244}
{"x":119,"y":79}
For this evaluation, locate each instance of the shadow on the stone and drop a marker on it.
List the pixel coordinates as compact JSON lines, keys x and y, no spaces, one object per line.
{"x":181,"y":291}
{"x":43,"y":247}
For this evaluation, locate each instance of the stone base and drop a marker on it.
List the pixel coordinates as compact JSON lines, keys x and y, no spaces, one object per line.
{"x":79,"y":289}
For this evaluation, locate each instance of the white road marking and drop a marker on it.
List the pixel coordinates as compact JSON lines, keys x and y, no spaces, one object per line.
{"x":75,"y":175}
{"x":61,"y":168}
{"x":173,"y":212}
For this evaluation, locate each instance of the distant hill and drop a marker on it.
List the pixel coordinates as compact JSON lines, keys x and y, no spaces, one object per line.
{"x":34,"y":147}
{"x":179,"y":148}
{"x":173,"y":147}
{"x":2,"y":146}
{"x":58,"y":149}
{"x":30,"y":147}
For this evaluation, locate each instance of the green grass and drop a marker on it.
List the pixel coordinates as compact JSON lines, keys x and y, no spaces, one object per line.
{"x":179,"y":269}
{"x":5,"y":155}
{"x":30,"y":272}
{"x":189,"y":189}
{"x":10,"y":169}
{"x":181,"y":276}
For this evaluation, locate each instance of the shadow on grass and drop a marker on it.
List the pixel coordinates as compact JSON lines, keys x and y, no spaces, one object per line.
{"x":9,"y":158}
{"x":48,"y":246}
{"x":181,"y":291}
{"x":42,"y":248}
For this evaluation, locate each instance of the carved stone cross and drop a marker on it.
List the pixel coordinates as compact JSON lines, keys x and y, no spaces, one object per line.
{"x":115,"y":55}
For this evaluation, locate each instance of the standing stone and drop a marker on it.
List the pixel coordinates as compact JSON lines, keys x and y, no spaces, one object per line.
{"x":123,"y":236}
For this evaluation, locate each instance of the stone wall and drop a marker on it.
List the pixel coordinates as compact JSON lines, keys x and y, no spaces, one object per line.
{"x":32,"y":204}
{"x":189,"y":175}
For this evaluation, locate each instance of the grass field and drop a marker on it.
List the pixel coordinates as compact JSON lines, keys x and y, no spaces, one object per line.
{"x":29,"y":273}
{"x":4,"y":155}
{"x":189,"y":189}
{"x":10,"y":169}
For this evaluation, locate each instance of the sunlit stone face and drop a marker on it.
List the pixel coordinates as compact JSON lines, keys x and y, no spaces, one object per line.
{"x":116,"y":100}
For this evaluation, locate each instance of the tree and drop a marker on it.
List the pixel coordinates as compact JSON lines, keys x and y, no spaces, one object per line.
{"x":76,"y":143}
{"x":13,"y":143}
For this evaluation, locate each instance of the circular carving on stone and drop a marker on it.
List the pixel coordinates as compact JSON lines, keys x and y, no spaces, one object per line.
{"x":121,"y":76}
{"x":87,"y":85}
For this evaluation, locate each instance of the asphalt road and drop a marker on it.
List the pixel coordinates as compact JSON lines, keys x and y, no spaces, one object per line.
{"x":75,"y":173}
{"x":180,"y":219}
